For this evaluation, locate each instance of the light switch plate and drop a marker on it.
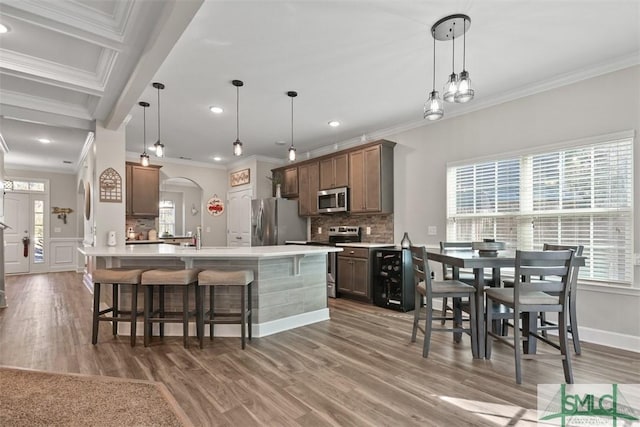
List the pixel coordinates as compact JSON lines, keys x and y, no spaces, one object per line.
{"x":57,"y":229}
{"x":432,"y":230}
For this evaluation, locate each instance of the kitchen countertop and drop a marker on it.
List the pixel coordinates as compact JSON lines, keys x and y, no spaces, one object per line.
{"x":166,"y":250}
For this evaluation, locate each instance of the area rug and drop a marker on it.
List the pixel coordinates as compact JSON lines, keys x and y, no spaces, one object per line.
{"x":37,"y":398}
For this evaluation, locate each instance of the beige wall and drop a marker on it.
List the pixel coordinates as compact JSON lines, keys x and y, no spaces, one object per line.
{"x":601,"y":105}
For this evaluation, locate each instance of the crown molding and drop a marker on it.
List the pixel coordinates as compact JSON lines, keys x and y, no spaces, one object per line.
{"x":48,"y":72}
{"x":47,"y":105}
{"x":64,"y":16}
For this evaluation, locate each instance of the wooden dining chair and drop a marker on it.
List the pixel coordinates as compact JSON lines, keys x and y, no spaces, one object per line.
{"x":427,"y":289}
{"x":534,"y":297}
{"x":448,"y":272}
{"x":572,"y":325}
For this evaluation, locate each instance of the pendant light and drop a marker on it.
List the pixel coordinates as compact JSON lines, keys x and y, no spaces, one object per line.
{"x":237,"y":146}
{"x":144,"y":157}
{"x":433,"y":107}
{"x":159,"y":145}
{"x":464,"y":92}
{"x":451,"y":86}
{"x":292,"y":149}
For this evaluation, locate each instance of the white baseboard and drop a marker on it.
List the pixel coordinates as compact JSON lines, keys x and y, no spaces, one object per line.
{"x":610,"y":339}
{"x":275,"y":326}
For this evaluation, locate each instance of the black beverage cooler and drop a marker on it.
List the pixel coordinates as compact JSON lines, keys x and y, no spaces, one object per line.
{"x":393,"y":285}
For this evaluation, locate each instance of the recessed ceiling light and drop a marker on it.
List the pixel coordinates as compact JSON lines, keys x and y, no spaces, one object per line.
{"x":3,"y":29}
{"x":44,"y":140}
{"x":334,"y":123}
{"x":216,"y":110}
{"x":217,"y":158}
{"x":281,"y":142}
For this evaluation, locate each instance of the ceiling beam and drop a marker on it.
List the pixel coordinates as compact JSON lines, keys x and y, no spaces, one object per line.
{"x":174,"y":19}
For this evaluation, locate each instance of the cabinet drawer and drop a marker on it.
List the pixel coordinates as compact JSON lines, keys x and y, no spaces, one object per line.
{"x":354,"y":252}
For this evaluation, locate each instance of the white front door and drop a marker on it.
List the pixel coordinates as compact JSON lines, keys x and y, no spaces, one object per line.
{"x":239,"y":218}
{"x":16,"y":215}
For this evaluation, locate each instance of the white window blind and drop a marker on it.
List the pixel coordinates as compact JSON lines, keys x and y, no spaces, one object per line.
{"x":574,"y":196}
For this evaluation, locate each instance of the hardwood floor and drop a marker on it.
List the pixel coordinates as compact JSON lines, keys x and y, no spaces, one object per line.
{"x":358,"y":369}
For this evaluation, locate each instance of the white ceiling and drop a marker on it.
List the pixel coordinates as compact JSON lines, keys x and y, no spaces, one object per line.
{"x":367,"y":64}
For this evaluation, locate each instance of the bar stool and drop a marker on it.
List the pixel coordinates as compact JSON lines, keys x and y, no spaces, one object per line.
{"x":117,"y":277}
{"x":213,"y":278}
{"x":166,"y":277}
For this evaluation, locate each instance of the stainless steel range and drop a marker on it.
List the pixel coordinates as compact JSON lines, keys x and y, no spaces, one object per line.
{"x":338,"y":234}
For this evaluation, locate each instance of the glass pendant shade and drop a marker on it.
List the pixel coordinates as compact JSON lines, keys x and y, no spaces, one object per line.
{"x":292,"y":153}
{"x":450,"y":88}
{"x":159,"y":149}
{"x":464,"y":93}
{"x":433,"y":108}
{"x":237,"y":148}
{"x":144,"y":159}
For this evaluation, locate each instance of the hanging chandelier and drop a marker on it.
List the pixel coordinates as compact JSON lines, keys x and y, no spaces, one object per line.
{"x":456,"y":89}
{"x":292,"y":149}
{"x":237,"y":145}
{"x":159,"y":146}
{"x":144,"y":157}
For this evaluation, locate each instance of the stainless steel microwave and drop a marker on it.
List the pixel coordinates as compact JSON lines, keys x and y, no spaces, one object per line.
{"x":334,"y":200}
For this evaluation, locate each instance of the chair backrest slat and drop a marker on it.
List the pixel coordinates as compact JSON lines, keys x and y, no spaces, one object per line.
{"x":421,"y":270}
{"x":543,"y":263}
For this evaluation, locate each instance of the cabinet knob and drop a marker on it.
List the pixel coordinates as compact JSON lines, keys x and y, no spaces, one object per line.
{"x":351,"y":252}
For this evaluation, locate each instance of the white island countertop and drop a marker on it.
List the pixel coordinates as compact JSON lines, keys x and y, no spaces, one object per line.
{"x":165,"y":250}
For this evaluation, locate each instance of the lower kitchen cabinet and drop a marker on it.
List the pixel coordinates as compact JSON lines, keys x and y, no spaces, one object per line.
{"x":354,"y":265}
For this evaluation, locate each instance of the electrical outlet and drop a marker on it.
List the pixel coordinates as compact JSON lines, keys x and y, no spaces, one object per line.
{"x":432,"y":230}
{"x":368,"y":230}
{"x":57,"y":229}
{"x":319,"y":230}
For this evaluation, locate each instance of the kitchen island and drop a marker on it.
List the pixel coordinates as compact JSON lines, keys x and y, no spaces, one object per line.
{"x":289,"y":288}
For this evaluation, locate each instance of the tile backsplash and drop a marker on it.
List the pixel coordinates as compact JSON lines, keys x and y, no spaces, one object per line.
{"x":140,"y":225}
{"x":381,"y":226}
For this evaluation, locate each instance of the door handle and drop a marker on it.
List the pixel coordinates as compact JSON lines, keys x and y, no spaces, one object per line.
{"x":25,"y":243}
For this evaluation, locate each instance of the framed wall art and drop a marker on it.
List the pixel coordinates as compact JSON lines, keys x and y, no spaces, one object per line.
{"x":240,"y":177}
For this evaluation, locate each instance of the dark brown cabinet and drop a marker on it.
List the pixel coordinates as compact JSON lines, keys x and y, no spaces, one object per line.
{"x":371,"y":179}
{"x":290,"y":182}
{"x":354,"y":265}
{"x":143,"y":190}
{"x":308,"y":186}
{"x":334,"y":172}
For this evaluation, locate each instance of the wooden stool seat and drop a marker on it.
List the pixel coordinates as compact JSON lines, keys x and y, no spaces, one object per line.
{"x":234,"y":278}
{"x":116,"y":277}
{"x":168,"y":277}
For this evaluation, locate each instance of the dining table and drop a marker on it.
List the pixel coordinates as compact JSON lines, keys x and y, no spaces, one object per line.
{"x":473,"y":259}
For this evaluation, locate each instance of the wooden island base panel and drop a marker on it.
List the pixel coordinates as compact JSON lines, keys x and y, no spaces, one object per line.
{"x":289,"y":288}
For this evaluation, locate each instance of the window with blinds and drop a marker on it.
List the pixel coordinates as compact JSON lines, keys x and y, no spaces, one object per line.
{"x":579,"y":195}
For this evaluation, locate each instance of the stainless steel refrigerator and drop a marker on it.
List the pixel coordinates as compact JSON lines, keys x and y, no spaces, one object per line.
{"x":276,"y":220}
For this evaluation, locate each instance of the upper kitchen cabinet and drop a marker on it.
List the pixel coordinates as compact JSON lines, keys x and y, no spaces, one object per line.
{"x":143,"y":190}
{"x":308,"y":186}
{"x":334,"y":172}
{"x":371,"y":178}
